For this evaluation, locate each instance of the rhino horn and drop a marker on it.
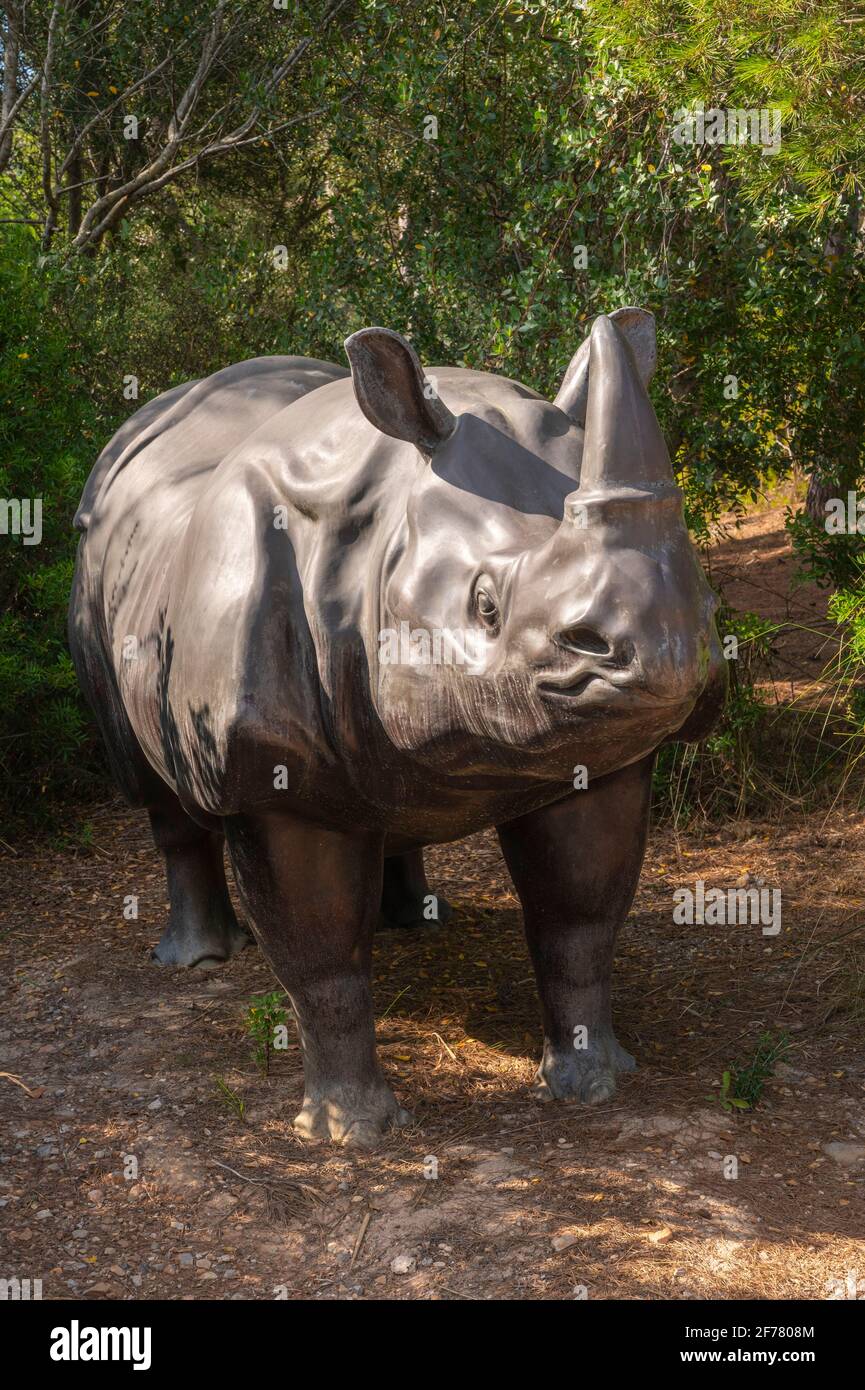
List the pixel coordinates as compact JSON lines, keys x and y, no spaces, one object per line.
{"x":638,"y":326}
{"x":393,"y":392}
{"x":624,"y":446}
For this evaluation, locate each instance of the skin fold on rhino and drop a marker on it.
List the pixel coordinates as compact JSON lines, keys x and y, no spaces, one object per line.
{"x":328,"y":618}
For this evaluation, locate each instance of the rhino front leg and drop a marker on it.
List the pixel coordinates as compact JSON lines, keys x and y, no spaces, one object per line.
{"x":575,"y":865}
{"x":202,"y":927}
{"x":313,"y":897}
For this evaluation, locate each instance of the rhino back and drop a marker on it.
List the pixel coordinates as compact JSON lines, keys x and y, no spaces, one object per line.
{"x":134,"y":511}
{"x":214,"y":413}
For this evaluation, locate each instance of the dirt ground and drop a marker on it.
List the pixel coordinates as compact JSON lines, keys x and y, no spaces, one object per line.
{"x":753,"y":566}
{"x":127,"y":1170}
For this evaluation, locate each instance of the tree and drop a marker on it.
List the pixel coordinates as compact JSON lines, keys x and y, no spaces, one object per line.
{"x":804,"y":60}
{"x":117,"y":101}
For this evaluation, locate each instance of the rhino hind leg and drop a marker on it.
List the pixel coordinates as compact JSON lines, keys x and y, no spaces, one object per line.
{"x":312,"y":896}
{"x":575,"y":865}
{"x":406,"y":900}
{"x":202,"y":928}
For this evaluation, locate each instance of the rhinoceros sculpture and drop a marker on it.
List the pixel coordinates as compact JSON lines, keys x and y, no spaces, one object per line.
{"x":329,"y":618}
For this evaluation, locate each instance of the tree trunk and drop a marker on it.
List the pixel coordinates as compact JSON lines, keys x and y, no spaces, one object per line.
{"x":10,"y":81}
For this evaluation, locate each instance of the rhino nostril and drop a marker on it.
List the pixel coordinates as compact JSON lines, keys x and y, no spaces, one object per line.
{"x":584,"y":640}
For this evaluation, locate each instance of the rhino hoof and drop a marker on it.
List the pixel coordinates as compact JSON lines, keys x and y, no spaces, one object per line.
{"x":355,"y":1124}
{"x":200,"y":950}
{"x":587,"y":1076}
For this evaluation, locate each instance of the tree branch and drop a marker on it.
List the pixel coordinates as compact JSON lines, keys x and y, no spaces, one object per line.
{"x":104,"y":213}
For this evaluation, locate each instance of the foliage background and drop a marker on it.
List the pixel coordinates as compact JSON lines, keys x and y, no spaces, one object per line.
{"x":554,"y":133}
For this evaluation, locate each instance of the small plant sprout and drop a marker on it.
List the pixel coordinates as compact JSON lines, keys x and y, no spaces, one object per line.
{"x":230,"y":1098}
{"x":267,"y":1024}
{"x":742,"y":1086}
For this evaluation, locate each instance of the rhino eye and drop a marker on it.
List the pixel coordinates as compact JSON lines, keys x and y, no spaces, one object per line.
{"x":487,"y":607}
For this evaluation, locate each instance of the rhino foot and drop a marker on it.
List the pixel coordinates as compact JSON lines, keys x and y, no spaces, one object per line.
{"x":201,"y":948}
{"x":352,"y":1117}
{"x":587,"y":1075}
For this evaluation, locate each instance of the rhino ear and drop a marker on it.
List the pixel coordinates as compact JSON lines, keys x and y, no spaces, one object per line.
{"x":393,"y":392}
{"x":638,"y":327}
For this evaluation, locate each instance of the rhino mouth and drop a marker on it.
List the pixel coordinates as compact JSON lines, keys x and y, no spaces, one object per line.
{"x":570,"y":689}
{"x":616,"y":685}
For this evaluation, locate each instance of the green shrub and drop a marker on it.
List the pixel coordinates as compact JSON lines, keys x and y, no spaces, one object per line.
{"x":50,"y":431}
{"x":720,"y":776}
